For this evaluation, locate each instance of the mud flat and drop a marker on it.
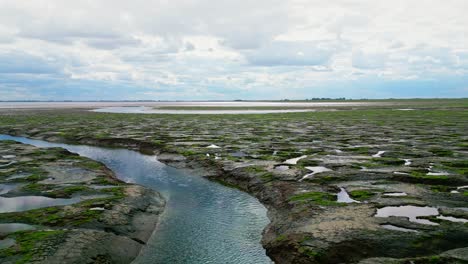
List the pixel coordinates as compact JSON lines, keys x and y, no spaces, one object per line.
{"x":309,"y":223}
{"x":53,"y":213}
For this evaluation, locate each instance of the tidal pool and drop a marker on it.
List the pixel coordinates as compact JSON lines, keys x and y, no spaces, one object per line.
{"x":24,"y":203}
{"x":409,"y":211}
{"x":452,"y":219}
{"x":397,"y":228}
{"x":395,"y":194}
{"x":294,"y":161}
{"x":379,"y":154}
{"x":343,"y":197}
{"x":204,"y":222}
{"x":315,"y":170}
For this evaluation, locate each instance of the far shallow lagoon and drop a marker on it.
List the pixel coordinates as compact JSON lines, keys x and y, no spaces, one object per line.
{"x":149,"y":110}
{"x":204,"y":222}
{"x":162,"y":104}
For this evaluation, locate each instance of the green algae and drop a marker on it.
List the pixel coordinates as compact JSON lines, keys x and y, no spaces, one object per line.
{"x":362,"y":194}
{"x":319,"y":198}
{"x":29,"y":245}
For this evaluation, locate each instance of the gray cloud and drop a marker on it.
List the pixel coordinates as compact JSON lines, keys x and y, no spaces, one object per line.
{"x":202,"y":47}
{"x":280,"y":53}
{"x":368,"y":61}
{"x":112,"y":43}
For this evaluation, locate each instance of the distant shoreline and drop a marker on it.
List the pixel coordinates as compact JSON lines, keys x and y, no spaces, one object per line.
{"x":181,"y":105}
{"x":206,"y":101}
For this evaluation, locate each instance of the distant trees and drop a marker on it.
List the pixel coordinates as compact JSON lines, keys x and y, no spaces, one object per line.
{"x":318,"y":99}
{"x":326,"y":99}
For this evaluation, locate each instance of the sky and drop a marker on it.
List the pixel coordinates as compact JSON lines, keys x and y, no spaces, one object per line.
{"x":232,"y":49}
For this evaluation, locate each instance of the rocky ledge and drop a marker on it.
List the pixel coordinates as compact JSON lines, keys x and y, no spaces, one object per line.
{"x":59,"y":207}
{"x":334,"y":216}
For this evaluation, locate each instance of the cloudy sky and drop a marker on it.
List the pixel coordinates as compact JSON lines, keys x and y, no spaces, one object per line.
{"x":231,"y":49}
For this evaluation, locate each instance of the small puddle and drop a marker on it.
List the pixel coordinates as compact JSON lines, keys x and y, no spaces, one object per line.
{"x":437,"y":174}
{"x":397,"y":228}
{"x":97,"y":209}
{"x":459,"y":188}
{"x":409,"y":211}
{"x":6,"y":243}
{"x":379,"y":154}
{"x":400,"y":173}
{"x":8,"y":157}
{"x":407,"y":162}
{"x":212,"y":146}
{"x":315,"y":170}
{"x":19,"y":176}
{"x":343,"y":197}
{"x":396,"y":194}
{"x":452,"y":219}
{"x":294,"y":161}
{"x":14,"y":227}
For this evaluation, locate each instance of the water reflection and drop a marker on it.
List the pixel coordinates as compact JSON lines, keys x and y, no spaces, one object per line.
{"x":149,"y":110}
{"x":24,"y":203}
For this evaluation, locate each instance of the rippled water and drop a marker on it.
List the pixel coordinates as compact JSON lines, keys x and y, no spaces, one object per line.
{"x":204,"y":222}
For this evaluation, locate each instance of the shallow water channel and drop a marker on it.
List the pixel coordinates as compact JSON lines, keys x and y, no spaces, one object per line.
{"x":204,"y":222}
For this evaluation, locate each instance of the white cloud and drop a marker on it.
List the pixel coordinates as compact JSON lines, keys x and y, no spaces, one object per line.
{"x":245,"y":46}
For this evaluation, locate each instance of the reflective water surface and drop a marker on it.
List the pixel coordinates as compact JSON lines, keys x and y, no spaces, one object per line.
{"x":204,"y":222}
{"x":24,"y":203}
{"x":410,"y":211}
{"x":343,"y":197}
{"x":149,"y":110}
